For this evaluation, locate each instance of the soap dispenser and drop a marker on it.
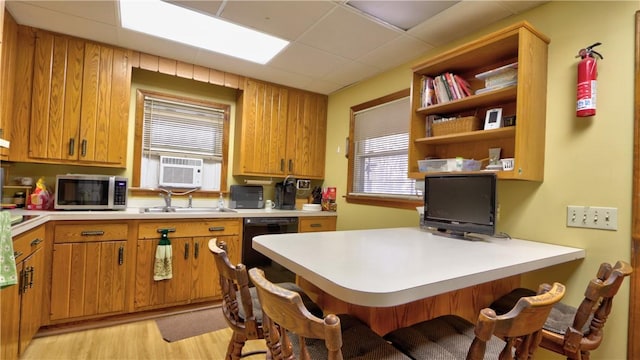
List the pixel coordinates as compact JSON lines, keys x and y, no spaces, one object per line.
{"x":221,"y":202}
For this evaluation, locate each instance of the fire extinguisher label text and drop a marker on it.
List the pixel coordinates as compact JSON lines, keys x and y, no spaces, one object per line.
{"x":586,"y":95}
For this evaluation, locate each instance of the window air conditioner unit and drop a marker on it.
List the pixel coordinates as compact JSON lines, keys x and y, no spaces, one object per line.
{"x":180,"y":172}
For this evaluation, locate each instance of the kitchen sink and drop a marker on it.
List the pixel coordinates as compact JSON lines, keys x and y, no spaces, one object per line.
{"x":156,"y":210}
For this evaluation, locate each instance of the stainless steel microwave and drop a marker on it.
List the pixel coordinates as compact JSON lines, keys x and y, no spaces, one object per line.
{"x":91,"y":192}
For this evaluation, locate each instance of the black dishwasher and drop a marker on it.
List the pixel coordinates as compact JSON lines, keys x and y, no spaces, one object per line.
{"x":263,"y":226}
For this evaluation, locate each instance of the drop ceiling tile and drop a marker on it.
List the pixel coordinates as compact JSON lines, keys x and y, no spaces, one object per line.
{"x":403,"y":14}
{"x":26,"y":13}
{"x":348,"y":34}
{"x":350,"y":72}
{"x":284,"y":19}
{"x":395,"y":52}
{"x":279,"y":76}
{"x":459,"y":20}
{"x":303,"y":59}
{"x":321,"y":86}
{"x":102,"y":11}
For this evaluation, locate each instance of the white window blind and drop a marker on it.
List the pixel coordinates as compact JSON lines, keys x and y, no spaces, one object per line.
{"x":182,"y":129}
{"x":381,"y":140}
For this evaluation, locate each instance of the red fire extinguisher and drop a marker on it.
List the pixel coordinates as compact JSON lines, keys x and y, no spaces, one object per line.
{"x":587,"y":75}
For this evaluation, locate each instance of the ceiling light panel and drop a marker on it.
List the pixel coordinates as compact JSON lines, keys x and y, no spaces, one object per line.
{"x":401,"y":14}
{"x":165,"y":20}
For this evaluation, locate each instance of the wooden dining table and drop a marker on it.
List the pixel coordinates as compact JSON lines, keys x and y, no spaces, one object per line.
{"x":395,"y":277}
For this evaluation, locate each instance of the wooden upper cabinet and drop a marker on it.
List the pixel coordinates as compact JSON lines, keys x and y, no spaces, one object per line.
{"x":261,"y":130}
{"x":79,"y":102}
{"x":280,"y":131}
{"x":8,"y":51}
{"x":307,"y":134}
{"x":526,"y":100}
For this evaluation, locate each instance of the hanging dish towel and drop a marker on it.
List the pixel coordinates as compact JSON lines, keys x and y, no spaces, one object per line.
{"x":162,"y":267}
{"x":8,"y":273}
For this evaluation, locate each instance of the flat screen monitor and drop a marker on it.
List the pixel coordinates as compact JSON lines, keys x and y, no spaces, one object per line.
{"x":457,"y":204}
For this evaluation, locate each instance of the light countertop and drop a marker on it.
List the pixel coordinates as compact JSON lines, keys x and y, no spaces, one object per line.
{"x":388,"y":267}
{"x":136,"y":214}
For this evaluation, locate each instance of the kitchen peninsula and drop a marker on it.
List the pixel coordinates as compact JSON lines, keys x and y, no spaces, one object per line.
{"x":393,"y":277}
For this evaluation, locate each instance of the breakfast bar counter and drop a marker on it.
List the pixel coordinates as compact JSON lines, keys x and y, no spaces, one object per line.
{"x":392,"y":270}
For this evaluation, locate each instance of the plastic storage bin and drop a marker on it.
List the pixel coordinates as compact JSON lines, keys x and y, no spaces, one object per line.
{"x":447,"y":165}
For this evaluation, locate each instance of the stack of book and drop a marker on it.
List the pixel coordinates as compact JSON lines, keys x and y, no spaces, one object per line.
{"x":443,"y":88}
{"x":499,"y":78}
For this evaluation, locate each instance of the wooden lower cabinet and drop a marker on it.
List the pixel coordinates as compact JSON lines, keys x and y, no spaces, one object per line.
{"x":89,"y":267}
{"x":21,"y":304}
{"x":194,"y":276}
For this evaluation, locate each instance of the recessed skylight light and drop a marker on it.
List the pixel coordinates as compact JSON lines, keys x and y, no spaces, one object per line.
{"x":165,"y":20}
{"x":402,"y":14}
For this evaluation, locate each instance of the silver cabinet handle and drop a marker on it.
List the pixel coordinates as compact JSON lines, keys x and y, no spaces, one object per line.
{"x":121,"y":255}
{"x":92,"y":233}
{"x":72,"y":146}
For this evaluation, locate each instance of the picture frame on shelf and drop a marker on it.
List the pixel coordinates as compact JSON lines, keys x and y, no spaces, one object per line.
{"x":493,"y":119}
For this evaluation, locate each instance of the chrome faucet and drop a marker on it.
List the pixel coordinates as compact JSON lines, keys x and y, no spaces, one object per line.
{"x":167,"y":194}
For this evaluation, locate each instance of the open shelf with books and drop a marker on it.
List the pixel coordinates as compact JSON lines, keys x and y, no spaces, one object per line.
{"x":505,"y":70}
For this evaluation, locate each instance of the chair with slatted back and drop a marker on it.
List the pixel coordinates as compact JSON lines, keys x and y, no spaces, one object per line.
{"x":240,"y":304}
{"x":452,"y":337}
{"x":575,"y":332}
{"x":292,"y":332}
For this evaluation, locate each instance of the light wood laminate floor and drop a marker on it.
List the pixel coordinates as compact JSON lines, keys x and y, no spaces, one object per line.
{"x":139,"y":340}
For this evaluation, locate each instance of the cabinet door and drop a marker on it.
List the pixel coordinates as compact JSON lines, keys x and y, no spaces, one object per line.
{"x":89,"y":279}
{"x":306,"y":134}
{"x":262,"y":138}
{"x":204,"y":275}
{"x":56,"y":98}
{"x":104,"y":116}
{"x":151,"y":293}
{"x":79,"y":101}
{"x":31,"y":297}
{"x":8,"y":70}
{"x":10,"y":321}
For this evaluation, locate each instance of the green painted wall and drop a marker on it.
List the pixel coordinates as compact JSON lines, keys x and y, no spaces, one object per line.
{"x":588,"y":161}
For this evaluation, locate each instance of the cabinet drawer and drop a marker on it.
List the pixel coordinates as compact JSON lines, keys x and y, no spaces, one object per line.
{"x":151,"y":230}
{"x":25,"y":244}
{"x":311,"y":224}
{"x":90,"y":232}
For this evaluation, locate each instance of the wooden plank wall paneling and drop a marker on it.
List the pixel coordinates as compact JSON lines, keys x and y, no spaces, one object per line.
{"x":466,"y":303}
{"x":186,"y":70}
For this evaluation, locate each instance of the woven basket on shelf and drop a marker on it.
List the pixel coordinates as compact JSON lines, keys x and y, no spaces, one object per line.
{"x":463,"y":124}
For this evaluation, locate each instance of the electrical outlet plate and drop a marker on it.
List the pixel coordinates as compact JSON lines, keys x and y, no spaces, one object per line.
{"x":304,"y":184}
{"x":592,"y":217}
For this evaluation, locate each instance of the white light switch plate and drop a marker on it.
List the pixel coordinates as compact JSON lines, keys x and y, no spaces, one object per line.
{"x":592,"y":217}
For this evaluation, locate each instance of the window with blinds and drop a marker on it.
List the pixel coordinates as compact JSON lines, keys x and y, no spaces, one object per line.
{"x":185,"y":129}
{"x":380,"y":140}
{"x":172,"y":128}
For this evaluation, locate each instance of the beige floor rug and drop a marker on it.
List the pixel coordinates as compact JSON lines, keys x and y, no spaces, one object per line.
{"x":189,"y":324}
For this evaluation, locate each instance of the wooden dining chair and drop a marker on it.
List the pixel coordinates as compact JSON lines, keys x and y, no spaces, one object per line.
{"x":240,"y":304}
{"x":575,"y":332}
{"x":493,"y":336}
{"x":292,"y":332}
